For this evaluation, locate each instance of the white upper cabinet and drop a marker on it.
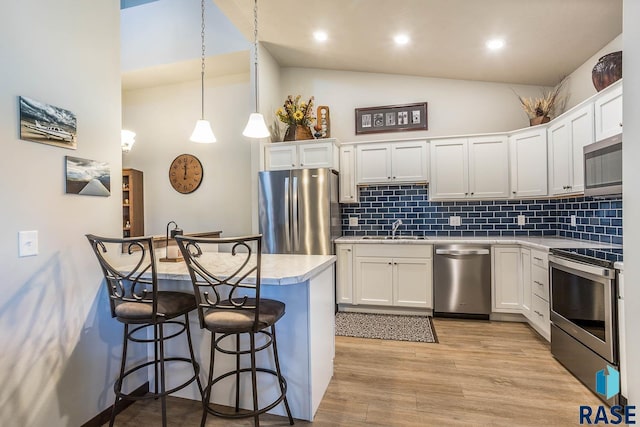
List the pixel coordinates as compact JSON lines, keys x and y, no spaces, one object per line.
{"x":302,"y":155}
{"x":528,"y":150}
{"x":395,"y":162}
{"x":489,"y":167}
{"x":566,"y":138}
{"x":608,"y":113}
{"x":348,"y":189}
{"x":475,"y":167}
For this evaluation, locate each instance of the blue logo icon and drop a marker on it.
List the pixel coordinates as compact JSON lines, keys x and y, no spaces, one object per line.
{"x":608,"y":382}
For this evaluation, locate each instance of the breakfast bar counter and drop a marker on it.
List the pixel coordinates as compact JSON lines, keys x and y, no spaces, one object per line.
{"x":305,"y":283}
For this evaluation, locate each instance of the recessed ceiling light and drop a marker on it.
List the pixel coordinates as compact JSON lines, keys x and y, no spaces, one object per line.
{"x":320,"y":36}
{"x":401,"y":39}
{"x":495,"y":44}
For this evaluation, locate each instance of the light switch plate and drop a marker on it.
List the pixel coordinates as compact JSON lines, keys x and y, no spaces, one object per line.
{"x":522,"y":220}
{"x":455,"y":221}
{"x":28,"y":243}
{"x":353,"y":221}
{"x":573,"y":220}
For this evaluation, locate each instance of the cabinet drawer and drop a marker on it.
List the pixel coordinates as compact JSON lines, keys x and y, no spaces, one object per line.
{"x":540,"y":313}
{"x":393,"y":250}
{"x":540,"y":258}
{"x":540,"y":282}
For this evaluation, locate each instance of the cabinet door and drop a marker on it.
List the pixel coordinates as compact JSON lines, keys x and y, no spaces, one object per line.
{"x":525,"y":280}
{"x":374,"y":278}
{"x":344,"y":274}
{"x":540,"y":316}
{"x":507,"y":294}
{"x":529,"y":163}
{"x":348,"y":189}
{"x":412,"y":282}
{"x":449,"y":169}
{"x":316,"y":155}
{"x":581,"y":128}
{"x":559,"y":160}
{"x":608,"y":113}
{"x":489,"y":167}
{"x":373,"y":163}
{"x":409,"y":162}
{"x":281,"y":157}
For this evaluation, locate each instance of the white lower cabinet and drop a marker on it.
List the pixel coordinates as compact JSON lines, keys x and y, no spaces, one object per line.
{"x":506,"y":286}
{"x":540,"y":315}
{"x":392,"y":275}
{"x":344,"y":274}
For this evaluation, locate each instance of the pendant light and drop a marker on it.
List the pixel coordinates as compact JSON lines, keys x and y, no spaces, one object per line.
{"x":256,"y":127}
{"x":202,"y":132}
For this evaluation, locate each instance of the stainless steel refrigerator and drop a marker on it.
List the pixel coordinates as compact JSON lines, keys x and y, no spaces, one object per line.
{"x":299,"y":211}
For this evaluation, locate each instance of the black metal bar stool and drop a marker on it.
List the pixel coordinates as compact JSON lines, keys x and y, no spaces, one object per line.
{"x":229,"y":304}
{"x":129,"y":267}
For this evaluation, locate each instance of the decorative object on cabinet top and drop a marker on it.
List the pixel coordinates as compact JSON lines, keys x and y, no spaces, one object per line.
{"x":298,"y":116}
{"x":607,"y":70}
{"x":323,"y":127}
{"x":541,"y":109}
{"x":391,"y":118}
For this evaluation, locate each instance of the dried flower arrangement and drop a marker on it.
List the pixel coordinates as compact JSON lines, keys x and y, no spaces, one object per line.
{"x":294,"y":112}
{"x":545,"y":106}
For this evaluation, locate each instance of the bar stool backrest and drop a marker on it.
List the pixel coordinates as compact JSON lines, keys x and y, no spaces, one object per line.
{"x":235,"y":285}
{"x":124,"y":261}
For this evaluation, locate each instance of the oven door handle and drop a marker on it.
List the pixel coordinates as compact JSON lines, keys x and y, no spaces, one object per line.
{"x":591,"y":269}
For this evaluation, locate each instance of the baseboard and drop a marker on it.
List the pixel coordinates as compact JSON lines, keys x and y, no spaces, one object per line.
{"x":105,"y":416}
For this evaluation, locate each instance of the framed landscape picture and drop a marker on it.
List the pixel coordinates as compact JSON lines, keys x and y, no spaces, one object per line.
{"x":88,"y":177}
{"x":47,"y":124}
{"x":391,"y":118}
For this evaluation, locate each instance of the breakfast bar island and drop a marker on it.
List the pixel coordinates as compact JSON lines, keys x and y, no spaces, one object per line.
{"x":305,"y":283}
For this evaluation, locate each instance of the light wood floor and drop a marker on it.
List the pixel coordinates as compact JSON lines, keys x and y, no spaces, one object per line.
{"x":480,"y":374}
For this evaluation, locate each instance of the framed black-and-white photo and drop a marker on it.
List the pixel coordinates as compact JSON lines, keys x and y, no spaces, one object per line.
{"x":47,"y":124}
{"x":391,"y":118}
{"x":88,"y":177}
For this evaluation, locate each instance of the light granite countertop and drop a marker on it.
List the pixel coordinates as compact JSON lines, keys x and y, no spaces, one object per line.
{"x":543,"y":243}
{"x":276,"y":269}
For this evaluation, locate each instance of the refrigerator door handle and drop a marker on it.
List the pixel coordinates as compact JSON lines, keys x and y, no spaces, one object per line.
{"x":287,"y":206}
{"x":296,"y":226}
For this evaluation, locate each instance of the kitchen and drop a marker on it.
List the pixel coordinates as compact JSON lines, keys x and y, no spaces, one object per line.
{"x":60,"y":246}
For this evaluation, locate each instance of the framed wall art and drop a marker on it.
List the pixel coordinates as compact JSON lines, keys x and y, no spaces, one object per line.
{"x":391,"y":118}
{"x":47,"y":124}
{"x":87,"y":177}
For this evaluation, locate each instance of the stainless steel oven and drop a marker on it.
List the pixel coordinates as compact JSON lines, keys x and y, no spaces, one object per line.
{"x":584,"y":333}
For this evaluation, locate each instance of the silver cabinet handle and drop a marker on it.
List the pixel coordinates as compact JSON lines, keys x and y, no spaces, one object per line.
{"x":536,"y":258}
{"x":513,"y":192}
{"x":538,"y":313}
{"x":538,"y":283}
{"x":348,"y":250}
{"x":620,"y":124}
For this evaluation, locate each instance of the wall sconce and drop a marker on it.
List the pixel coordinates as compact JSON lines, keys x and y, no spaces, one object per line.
{"x":127,"y":139}
{"x":172,"y":253}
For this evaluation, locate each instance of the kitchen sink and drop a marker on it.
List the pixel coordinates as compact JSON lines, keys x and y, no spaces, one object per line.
{"x":394,"y":238}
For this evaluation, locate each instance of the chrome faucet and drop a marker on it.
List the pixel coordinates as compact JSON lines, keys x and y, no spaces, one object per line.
{"x":394,"y":227}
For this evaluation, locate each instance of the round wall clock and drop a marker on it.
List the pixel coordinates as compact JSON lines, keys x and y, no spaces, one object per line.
{"x":185,"y":173}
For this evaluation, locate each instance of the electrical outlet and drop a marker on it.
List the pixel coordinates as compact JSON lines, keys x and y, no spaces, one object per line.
{"x":28,"y":243}
{"x":522,"y":220}
{"x":455,"y":221}
{"x":353,"y":221}
{"x":573,"y":220}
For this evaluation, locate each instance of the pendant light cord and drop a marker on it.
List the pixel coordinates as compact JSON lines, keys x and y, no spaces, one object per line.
{"x":255,"y":48}
{"x":202,"y":66}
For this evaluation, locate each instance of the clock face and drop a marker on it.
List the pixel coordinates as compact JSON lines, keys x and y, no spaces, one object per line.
{"x":185,"y":173}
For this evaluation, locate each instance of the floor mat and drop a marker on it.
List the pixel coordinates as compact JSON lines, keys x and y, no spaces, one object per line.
{"x":386,"y":327}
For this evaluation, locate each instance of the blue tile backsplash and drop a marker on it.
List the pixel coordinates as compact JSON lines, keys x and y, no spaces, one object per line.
{"x":596,"y":220}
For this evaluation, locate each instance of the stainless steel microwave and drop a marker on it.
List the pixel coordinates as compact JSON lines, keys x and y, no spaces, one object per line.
{"x":603,"y":167}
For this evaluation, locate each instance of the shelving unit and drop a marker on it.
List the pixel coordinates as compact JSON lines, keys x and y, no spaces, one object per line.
{"x":132,"y":203}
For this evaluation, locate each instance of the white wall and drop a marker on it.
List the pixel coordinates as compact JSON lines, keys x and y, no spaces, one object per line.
{"x":59,"y":344}
{"x":579,"y":84}
{"x":631,"y":192}
{"x":454,"y":106}
{"x":163,"y":118}
{"x":168,"y":31}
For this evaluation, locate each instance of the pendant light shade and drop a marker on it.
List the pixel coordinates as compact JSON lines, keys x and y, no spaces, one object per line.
{"x":202,"y":132}
{"x":256,"y":126}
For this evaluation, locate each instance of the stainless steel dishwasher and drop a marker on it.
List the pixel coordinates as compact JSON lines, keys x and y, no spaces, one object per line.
{"x":462,"y":281}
